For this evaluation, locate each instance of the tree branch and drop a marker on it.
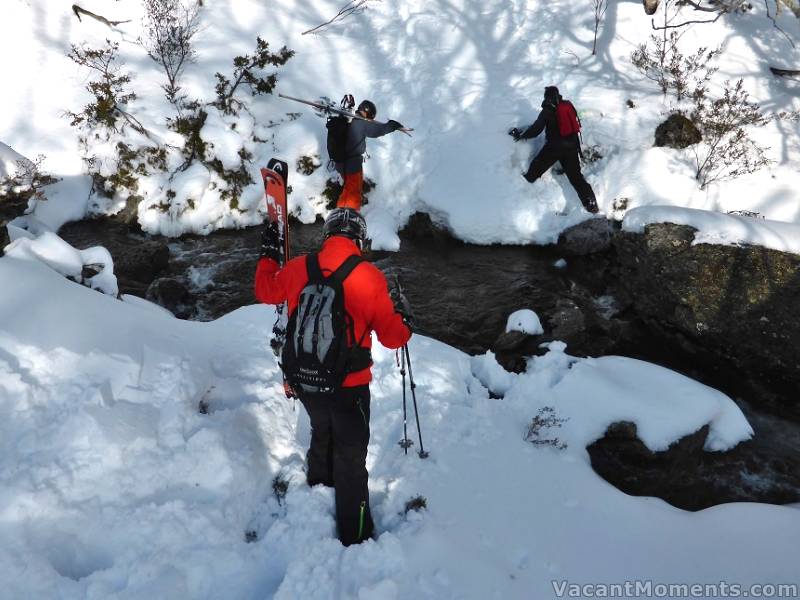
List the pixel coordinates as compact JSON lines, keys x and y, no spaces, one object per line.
{"x":775,"y":23}
{"x":348,"y":9}
{"x":785,"y":72}
{"x":79,"y":11}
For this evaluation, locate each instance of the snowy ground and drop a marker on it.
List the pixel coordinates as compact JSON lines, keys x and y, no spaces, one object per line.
{"x":461,"y":73}
{"x":113,"y":485}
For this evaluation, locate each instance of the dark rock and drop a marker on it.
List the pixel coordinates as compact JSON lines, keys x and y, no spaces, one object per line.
{"x":141,"y":262}
{"x":738,"y":302}
{"x":650,"y":6}
{"x":421,"y":226}
{"x":512,"y":348}
{"x":566,"y":321}
{"x":690,"y":478}
{"x":678,"y":132}
{"x":172,"y":295}
{"x":589,"y":237}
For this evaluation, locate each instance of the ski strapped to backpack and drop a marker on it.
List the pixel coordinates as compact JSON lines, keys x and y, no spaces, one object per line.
{"x":321,"y":348}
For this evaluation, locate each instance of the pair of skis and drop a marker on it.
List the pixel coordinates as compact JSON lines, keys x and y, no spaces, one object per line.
{"x":275,"y":176}
{"x":326,"y":107}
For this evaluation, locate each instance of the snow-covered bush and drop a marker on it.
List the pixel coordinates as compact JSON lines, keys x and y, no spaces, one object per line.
{"x":727,"y":150}
{"x":26,"y":181}
{"x":121,"y":154}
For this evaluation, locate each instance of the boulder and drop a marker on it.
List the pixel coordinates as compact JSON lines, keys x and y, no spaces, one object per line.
{"x":172,"y":295}
{"x":142,"y":262}
{"x":678,"y":132}
{"x":738,"y":303}
{"x":589,"y":237}
{"x":687,"y":476}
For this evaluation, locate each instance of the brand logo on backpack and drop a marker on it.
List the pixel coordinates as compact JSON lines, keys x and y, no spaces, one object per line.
{"x":321,"y":348}
{"x":567,"y":119}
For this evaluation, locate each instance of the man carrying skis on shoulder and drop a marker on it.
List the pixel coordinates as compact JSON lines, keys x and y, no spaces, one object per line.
{"x":346,"y":147}
{"x":559,"y":121}
{"x":335,"y":299}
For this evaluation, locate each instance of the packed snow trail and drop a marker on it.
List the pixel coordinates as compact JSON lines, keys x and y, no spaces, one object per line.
{"x":113,"y":485}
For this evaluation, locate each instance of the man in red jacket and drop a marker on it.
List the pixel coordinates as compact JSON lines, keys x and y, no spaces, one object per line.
{"x":340,"y":419}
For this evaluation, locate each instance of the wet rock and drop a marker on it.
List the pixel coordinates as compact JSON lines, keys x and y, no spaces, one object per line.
{"x":690,"y":478}
{"x":678,"y":132}
{"x":421,"y":226}
{"x":172,"y":295}
{"x":142,"y":262}
{"x":589,"y":237}
{"x":739,"y":303}
{"x":512,"y":348}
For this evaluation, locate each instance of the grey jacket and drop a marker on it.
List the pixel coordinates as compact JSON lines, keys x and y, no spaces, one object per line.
{"x":357,"y":135}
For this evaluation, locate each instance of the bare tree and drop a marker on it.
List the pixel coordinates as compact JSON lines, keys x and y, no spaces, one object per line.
{"x":600,"y":7}
{"x":169,"y":26}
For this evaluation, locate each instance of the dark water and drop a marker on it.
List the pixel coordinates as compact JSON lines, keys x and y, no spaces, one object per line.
{"x":462,"y":295}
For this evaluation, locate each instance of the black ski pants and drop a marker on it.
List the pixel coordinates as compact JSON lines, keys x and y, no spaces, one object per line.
{"x":338,"y":456}
{"x":568,"y":157}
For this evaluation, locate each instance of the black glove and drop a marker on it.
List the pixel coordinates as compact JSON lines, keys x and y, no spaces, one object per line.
{"x":271,"y":243}
{"x":515,"y":133}
{"x":401,"y":304}
{"x":394,"y":124}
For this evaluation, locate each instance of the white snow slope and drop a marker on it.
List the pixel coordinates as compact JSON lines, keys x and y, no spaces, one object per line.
{"x":113,"y":485}
{"x":461,"y":72}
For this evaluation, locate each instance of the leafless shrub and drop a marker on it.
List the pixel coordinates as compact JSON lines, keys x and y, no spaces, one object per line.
{"x":539,"y":433}
{"x":27,"y":182}
{"x":169,"y":26}
{"x":727,"y":151}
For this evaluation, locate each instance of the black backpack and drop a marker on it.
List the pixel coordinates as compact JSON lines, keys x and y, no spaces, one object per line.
{"x":337,"y":138}
{"x":318,"y":355}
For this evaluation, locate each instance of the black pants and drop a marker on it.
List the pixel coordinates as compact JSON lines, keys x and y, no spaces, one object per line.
{"x":568,"y":157}
{"x":338,"y":456}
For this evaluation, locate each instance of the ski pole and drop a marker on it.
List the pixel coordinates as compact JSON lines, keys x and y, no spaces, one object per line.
{"x":405,"y":442}
{"x":413,"y":385}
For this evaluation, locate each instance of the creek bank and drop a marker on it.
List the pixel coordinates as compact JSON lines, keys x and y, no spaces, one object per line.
{"x":462,"y":295}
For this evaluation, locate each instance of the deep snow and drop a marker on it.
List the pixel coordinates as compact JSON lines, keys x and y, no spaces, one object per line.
{"x":114,"y":485}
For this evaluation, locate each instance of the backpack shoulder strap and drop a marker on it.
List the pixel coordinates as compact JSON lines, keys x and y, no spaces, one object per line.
{"x":339,"y":275}
{"x":312,"y":267}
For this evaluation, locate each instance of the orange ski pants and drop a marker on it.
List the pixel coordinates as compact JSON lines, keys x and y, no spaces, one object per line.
{"x":351,"y":192}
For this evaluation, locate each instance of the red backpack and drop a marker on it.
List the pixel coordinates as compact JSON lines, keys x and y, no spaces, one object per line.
{"x":567,"y":119}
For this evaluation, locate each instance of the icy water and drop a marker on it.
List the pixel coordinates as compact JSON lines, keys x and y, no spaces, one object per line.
{"x":462,"y":294}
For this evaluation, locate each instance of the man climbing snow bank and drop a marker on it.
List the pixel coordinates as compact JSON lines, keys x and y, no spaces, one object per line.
{"x":335,"y":299}
{"x":559,"y":121}
{"x":347,"y":144}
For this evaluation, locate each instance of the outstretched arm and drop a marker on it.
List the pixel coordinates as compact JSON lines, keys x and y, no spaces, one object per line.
{"x":372,"y":129}
{"x":535,"y":129}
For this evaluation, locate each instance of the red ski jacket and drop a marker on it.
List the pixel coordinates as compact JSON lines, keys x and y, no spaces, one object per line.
{"x":366,"y":296}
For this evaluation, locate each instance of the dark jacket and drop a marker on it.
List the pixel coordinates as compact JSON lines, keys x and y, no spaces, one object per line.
{"x":546,"y":121}
{"x":357,"y":135}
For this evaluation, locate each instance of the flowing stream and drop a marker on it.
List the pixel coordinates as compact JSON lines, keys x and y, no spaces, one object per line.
{"x":462,"y":295}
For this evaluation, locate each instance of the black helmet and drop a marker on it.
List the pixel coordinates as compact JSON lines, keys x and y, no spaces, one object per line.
{"x":368,"y":108}
{"x":347,"y":222}
{"x":551,"y":95}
